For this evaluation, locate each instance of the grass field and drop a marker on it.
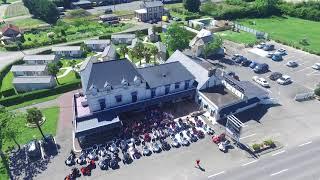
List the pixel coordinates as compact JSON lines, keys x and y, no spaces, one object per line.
{"x":70,"y":77}
{"x":174,"y":5}
{"x":238,"y":37}
{"x":28,"y":23}
{"x":289,"y":30}
{"x":16,"y":9}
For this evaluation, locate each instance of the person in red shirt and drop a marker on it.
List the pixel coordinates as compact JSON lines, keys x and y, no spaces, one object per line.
{"x":198,"y":163}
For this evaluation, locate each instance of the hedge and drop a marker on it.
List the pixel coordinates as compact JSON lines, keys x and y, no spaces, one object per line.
{"x":20,"y":98}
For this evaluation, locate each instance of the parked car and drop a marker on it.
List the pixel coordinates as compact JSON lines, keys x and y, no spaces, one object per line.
{"x":268,"y":47}
{"x":285,"y":79}
{"x":281,"y":51}
{"x":261,"y":81}
{"x":270,"y":54}
{"x":108,"y":11}
{"x":240,"y":59}
{"x":126,"y":158}
{"x":246,"y":62}
{"x":156,"y":147}
{"x":261,"y":45}
{"x":253,"y":64}
{"x":261,"y":68}
{"x":276,"y":57}
{"x":146,"y":151}
{"x":316,"y":66}
{"x":175,"y":143}
{"x":235,"y":56}
{"x":292,"y":64}
{"x":33,"y":150}
{"x":275,"y":75}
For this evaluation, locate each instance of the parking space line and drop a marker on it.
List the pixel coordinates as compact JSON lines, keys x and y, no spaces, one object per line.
{"x":249,"y":163}
{"x":211,"y":176}
{"x":248,"y":136}
{"x":278,"y":153}
{"x":312,"y":73}
{"x":303,"y":69}
{"x":284,"y":170}
{"x":305,"y":143}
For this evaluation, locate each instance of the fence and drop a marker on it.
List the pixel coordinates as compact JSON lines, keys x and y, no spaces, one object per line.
{"x":304,"y":96}
{"x":258,"y":34}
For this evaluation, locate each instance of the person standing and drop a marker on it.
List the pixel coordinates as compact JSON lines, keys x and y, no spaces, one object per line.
{"x":198,"y":163}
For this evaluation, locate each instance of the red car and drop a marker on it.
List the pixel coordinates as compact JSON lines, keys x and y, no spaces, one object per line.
{"x":217,"y":139}
{"x":147,"y":137}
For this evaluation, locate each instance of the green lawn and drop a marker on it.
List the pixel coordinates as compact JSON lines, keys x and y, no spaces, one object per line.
{"x":175,"y":5}
{"x":28,"y":23}
{"x":7,"y":82}
{"x":70,"y":77}
{"x":61,"y":71}
{"x":238,"y":37}
{"x":65,"y":62}
{"x":16,"y":9}
{"x":289,"y":30}
{"x":26,"y":134}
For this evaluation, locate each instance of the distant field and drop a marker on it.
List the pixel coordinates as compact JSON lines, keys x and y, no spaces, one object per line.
{"x":28,"y":23}
{"x":16,"y":9}
{"x":289,"y":30}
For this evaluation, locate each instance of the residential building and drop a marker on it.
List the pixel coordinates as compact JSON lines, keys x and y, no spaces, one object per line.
{"x":113,"y":87}
{"x":10,"y":33}
{"x":31,"y":83}
{"x":152,"y":35}
{"x":218,"y":93}
{"x":39,"y":59}
{"x":198,"y":43}
{"x":67,"y":51}
{"x":122,"y":38}
{"x":150,"y":10}
{"x":97,"y":44}
{"x":162,"y":52}
{"x":109,"y":53}
{"x":29,"y":70}
{"x":82,"y":4}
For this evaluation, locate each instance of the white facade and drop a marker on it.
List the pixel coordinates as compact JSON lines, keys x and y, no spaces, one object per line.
{"x":68,"y":53}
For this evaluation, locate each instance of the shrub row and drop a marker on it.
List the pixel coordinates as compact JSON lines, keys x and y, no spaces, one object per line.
{"x":20,"y":98}
{"x":298,"y":47}
{"x":304,"y":10}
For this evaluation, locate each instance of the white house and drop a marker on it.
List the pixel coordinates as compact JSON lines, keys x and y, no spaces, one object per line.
{"x":67,"y":51}
{"x":122,"y":38}
{"x":97,"y":44}
{"x":198,"y":43}
{"x":39,"y":59}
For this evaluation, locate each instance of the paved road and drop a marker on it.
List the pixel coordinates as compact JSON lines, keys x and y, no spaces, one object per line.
{"x":118,"y":7}
{"x":298,"y":163}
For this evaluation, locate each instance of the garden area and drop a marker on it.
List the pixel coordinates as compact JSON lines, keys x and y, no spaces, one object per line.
{"x":16,"y":9}
{"x":177,"y":10}
{"x":295,"y":32}
{"x":28,"y":23}
{"x":24,"y":134}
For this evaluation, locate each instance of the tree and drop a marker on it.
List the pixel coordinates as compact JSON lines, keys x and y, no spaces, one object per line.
{"x":34,"y":116}
{"x":317,"y":91}
{"x":4,"y":1}
{"x":267,"y":7}
{"x":123,"y":50}
{"x":43,"y":9}
{"x":212,"y":47}
{"x":154,"y":51}
{"x":139,"y":34}
{"x":53,"y":70}
{"x":139,"y":49}
{"x":59,"y":64}
{"x":5,"y":117}
{"x":133,"y":54}
{"x":147,"y":55}
{"x":72,"y":63}
{"x":175,"y":37}
{"x":192,"y":5}
{"x":67,"y":4}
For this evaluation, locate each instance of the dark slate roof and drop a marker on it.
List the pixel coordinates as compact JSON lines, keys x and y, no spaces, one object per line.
{"x":153,"y":4}
{"x":32,"y":79}
{"x":164,"y":74}
{"x":111,"y":71}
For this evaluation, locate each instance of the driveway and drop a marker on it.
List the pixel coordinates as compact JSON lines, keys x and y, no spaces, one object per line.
{"x":118,"y":7}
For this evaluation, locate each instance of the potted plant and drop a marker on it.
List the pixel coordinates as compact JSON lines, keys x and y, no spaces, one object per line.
{"x":256,"y":147}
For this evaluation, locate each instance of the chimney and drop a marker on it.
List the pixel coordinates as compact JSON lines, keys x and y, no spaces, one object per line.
{"x":211,"y":72}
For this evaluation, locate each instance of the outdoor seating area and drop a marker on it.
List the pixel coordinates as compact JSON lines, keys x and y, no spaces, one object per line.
{"x":158,"y":131}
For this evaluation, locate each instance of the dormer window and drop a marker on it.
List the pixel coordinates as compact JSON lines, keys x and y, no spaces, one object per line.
{"x":93,"y":90}
{"x":124,"y":83}
{"x":107,"y":86}
{"x":137,"y":81}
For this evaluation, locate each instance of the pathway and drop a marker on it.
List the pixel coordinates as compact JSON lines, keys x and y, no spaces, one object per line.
{"x":68,"y":69}
{"x":190,"y":29}
{"x":42,"y":105}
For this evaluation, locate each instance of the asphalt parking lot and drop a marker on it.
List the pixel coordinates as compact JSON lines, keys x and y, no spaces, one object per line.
{"x":290,"y":121}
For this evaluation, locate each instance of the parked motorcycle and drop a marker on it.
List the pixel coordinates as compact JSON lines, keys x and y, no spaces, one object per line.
{"x":70,"y":161}
{"x":103,"y":164}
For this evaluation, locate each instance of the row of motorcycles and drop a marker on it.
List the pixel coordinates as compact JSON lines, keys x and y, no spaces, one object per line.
{"x":107,"y":155}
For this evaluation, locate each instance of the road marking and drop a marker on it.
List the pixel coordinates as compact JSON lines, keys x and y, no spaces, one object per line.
{"x":278,"y":153}
{"x":303,"y":69}
{"x":249,"y":163}
{"x":248,"y":136}
{"x":305,"y":143}
{"x":222,"y":172}
{"x":279,"y":172}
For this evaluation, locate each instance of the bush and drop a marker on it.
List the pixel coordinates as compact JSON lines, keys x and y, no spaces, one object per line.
{"x":8,"y":92}
{"x":12,"y":47}
{"x":107,"y":36}
{"x":20,"y":98}
{"x":256,"y":147}
{"x":317,"y":91}
{"x":268,"y":142}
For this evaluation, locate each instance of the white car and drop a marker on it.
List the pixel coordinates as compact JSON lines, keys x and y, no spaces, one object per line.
{"x":269,"y":55}
{"x":261,"y":81}
{"x":285,"y":79}
{"x":292,"y":64}
{"x":316,"y":66}
{"x":261,"y":45}
{"x":281,"y":51}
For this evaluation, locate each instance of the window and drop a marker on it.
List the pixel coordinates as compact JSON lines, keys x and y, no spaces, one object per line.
{"x":153,"y":92}
{"x":134,"y":96}
{"x":167,"y":89}
{"x":186,"y":84}
{"x":118,"y":98}
{"x":177,"y":85}
{"x":102,"y":103}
